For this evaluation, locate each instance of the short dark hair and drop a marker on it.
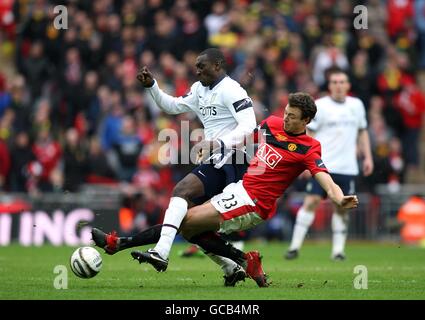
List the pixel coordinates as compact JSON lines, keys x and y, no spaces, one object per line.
{"x":215,"y":55}
{"x":335,"y":70}
{"x":305,"y":103}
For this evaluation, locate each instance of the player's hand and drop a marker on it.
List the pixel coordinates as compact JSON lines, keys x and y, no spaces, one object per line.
{"x":204,"y":149}
{"x":145,"y":77}
{"x":349,"y":202}
{"x":367,"y":167}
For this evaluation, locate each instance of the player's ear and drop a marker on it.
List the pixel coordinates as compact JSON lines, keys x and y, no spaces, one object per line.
{"x":348,"y":86}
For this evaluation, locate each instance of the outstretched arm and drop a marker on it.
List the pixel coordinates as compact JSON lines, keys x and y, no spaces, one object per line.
{"x":364,"y":147}
{"x":334,"y":191}
{"x":165,"y":102}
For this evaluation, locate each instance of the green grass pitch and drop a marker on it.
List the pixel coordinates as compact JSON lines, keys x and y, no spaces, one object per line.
{"x":393,"y":272}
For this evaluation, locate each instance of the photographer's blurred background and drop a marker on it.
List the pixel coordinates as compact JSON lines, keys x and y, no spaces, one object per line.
{"x":78,"y":131}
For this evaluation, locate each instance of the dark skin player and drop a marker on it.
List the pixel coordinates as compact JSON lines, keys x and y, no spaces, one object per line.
{"x":191,"y":187}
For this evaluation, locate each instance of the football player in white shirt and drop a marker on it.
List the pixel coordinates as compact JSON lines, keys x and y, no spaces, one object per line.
{"x":341,"y":127}
{"x":227,"y":115}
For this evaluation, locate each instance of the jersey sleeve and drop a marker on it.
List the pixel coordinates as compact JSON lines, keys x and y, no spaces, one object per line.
{"x":313,"y":160}
{"x":240,"y":105}
{"x":174,"y":105}
{"x":362,"y":121}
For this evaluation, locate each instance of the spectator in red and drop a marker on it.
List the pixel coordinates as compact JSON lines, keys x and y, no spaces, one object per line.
{"x":146,"y":176}
{"x":400,"y":12}
{"x":7,"y":19}
{"x":181,"y":82}
{"x":2,"y":83}
{"x":4,"y":163}
{"x":48,"y":153}
{"x":292,"y":62}
{"x":411,"y":104}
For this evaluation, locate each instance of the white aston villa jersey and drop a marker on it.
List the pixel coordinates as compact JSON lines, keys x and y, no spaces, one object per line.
{"x":224,"y":109}
{"x":336,"y":126}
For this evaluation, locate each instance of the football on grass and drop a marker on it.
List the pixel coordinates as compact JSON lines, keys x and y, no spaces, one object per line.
{"x":86,"y":262}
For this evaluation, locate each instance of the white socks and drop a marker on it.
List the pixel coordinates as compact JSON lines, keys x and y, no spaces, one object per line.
{"x":339,"y":231}
{"x":303,"y":222}
{"x":226,"y":264}
{"x":174,"y":215}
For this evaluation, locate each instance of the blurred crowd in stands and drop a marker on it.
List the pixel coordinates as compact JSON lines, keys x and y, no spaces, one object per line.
{"x":72,"y":111}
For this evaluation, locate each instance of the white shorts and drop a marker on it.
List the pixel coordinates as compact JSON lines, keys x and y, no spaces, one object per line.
{"x":237,"y":209}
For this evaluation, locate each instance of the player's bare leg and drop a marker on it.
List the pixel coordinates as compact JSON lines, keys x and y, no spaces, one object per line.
{"x":206,"y":217}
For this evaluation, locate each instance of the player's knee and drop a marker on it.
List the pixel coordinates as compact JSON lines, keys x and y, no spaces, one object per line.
{"x":189,"y":188}
{"x":182,"y":190}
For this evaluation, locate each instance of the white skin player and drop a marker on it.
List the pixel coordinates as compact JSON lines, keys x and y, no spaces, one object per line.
{"x":341,"y":127}
{"x":284,"y":152}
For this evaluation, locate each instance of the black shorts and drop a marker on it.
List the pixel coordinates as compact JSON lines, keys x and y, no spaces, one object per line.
{"x":215,"y":180}
{"x":347,"y":183}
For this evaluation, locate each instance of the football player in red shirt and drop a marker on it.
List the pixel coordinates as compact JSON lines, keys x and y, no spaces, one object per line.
{"x":285,"y":151}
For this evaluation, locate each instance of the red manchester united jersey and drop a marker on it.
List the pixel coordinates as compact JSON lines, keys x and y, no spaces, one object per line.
{"x":280,"y":158}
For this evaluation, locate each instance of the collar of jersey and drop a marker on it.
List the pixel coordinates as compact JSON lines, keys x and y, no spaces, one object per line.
{"x":338,"y":102}
{"x":293,"y":134}
{"x":217,"y":81}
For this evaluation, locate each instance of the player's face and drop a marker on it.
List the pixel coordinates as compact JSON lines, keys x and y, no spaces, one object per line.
{"x":339,"y":86}
{"x":205,"y":70}
{"x":292,"y":121}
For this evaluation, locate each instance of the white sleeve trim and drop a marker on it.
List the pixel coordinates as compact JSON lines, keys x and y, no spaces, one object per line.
{"x":165,"y":102}
{"x":246,"y":124}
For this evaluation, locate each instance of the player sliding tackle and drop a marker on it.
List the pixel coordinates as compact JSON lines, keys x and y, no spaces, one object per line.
{"x":284,"y":152}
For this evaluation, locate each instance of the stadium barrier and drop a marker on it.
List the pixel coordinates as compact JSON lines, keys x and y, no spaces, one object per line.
{"x":67,"y":218}
{"x":375,"y":218}
{"x":58,"y":219}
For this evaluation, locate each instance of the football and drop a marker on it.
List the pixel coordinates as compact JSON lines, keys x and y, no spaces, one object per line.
{"x":86,"y":262}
